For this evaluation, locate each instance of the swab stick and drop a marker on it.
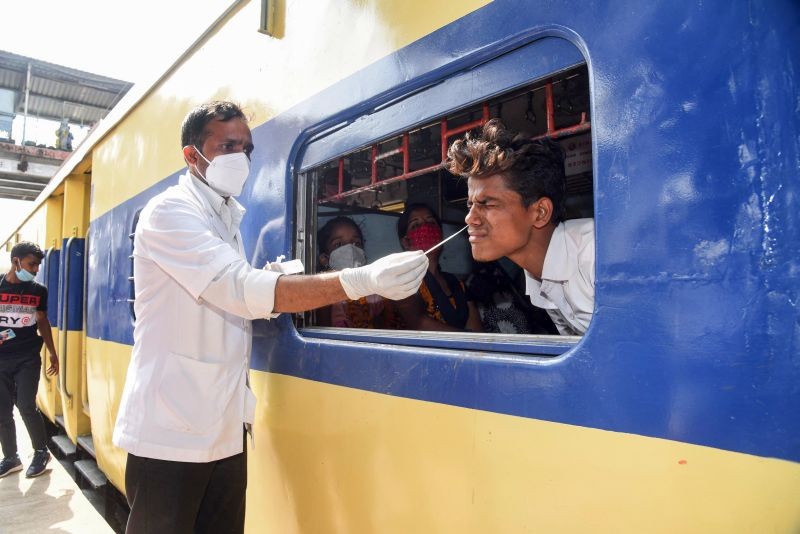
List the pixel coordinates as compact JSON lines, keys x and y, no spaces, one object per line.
{"x":434,"y":247}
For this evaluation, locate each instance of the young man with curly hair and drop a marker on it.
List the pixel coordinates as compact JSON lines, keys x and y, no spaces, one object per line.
{"x":516,"y":209}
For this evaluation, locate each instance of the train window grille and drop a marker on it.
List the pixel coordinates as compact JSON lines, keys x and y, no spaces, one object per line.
{"x":556,"y":109}
{"x":379,"y":179}
{"x":131,"y":286}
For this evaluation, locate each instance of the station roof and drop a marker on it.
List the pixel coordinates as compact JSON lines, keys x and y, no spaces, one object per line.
{"x":58,"y":92}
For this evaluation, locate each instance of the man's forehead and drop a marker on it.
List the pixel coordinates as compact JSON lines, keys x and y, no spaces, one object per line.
{"x":487,"y":185}
{"x":31,"y":258}
{"x":233,"y":129}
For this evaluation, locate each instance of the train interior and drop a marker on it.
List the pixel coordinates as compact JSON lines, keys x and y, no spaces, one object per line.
{"x":373,"y":184}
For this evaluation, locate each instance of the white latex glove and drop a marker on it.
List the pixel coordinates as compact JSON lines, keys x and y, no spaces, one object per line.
{"x":395,"y":276}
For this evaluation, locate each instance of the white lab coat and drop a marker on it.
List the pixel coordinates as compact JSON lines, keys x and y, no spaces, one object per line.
{"x":186,"y":396}
{"x":566,"y":290}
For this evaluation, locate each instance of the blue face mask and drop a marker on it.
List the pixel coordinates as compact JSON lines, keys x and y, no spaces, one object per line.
{"x":24,"y":275}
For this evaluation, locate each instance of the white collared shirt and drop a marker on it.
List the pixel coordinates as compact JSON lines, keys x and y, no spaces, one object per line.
{"x":566,"y":290}
{"x":186,"y":396}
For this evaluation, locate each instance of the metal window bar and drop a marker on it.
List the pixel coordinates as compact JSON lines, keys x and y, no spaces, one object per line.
{"x":550,"y":108}
{"x":131,"y":287}
{"x":446,"y":134}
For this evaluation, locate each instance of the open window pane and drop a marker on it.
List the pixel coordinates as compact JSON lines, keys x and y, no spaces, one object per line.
{"x":372,"y":185}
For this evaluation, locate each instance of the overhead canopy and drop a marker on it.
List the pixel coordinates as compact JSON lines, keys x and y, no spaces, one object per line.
{"x":58,"y":92}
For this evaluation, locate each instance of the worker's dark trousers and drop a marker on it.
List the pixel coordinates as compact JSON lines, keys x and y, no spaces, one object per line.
{"x":185,"y":497}
{"x":19,"y":377}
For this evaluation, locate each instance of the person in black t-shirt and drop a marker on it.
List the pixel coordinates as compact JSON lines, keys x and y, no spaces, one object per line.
{"x":23,"y":311}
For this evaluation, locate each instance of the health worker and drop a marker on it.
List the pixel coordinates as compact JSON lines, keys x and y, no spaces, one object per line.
{"x":187,"y":402}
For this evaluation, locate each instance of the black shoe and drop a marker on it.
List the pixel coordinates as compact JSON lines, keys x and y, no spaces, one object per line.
{"x":10,"y":465}
{"x":38,"y":464}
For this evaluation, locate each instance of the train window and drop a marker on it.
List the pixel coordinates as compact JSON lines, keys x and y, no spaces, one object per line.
{"x":358,"y":198}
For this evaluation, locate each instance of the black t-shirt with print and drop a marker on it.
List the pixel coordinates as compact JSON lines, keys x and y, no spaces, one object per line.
{"x":18,"y":306}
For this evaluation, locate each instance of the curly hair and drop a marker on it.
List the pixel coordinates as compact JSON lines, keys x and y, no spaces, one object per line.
{"x":533,"y":169}
{"x":194,"y":125}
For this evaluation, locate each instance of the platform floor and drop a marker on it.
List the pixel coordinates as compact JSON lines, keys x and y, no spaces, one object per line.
{"x":49,"y":503}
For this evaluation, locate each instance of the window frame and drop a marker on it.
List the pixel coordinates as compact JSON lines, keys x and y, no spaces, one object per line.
{"x":546,"y":58}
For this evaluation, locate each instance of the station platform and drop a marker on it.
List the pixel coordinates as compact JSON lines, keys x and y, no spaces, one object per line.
{"x":49,"y":503}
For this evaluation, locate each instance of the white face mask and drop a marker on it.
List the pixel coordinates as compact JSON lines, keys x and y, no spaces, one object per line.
{"x":227,"y":173}
{"x":347,"y":257}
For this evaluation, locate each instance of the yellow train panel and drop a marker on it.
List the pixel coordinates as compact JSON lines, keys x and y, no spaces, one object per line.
{"x":334,"y":459}
{"x":106,"y":365}
{"x":47,"y":396}
{"x":76,"y":423}
{"x":135,"y":155}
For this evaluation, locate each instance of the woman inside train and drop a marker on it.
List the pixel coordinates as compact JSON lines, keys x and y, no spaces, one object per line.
{"x":341,"y":246}
{"x":441,"y":302}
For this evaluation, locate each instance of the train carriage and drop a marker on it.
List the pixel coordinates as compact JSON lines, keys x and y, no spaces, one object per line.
{"x":676,"y":411}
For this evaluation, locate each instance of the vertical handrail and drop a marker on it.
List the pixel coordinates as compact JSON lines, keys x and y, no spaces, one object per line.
{"x":84,"y":307}
{"x":64,"y":307}
{"x":47,"y":254}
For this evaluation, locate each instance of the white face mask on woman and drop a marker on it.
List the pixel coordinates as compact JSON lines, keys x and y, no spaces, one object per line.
{"x":347,"y":257}
{"x":227,"y":173}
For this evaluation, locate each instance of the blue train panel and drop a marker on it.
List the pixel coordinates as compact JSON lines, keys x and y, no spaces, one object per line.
{"x":696,"y":332}
{"x":70,"y":294}
{"x":48,"y":276}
